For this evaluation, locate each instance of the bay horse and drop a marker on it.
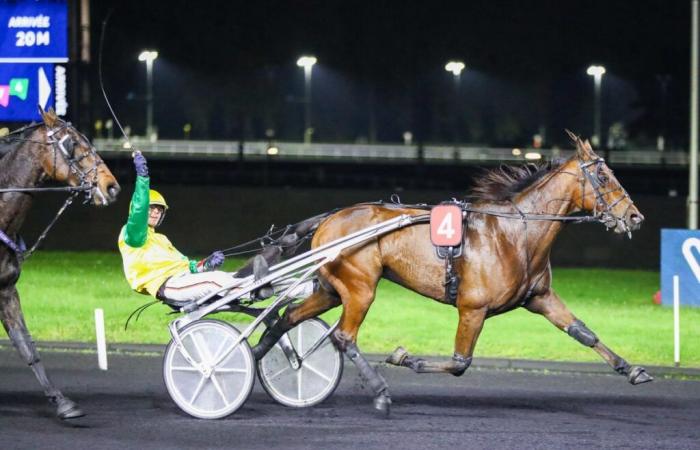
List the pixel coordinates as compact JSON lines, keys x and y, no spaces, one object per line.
{"x":49,"y":150}
{"x":511,"y":225}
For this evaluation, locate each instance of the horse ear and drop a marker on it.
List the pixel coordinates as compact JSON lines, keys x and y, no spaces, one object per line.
{"x":580,"y":146}
{"x":589,"y":149}
{"x":572,"y":135}
{"x":49,"y":117}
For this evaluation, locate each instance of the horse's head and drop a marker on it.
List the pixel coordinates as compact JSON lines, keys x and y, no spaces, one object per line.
{"x":70,"y":158}
{"x":601,"y":193}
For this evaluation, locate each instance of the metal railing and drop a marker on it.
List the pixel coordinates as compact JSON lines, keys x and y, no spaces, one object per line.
{"x":289,"y":151}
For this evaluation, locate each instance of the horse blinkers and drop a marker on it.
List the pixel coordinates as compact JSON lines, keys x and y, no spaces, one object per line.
{"x":67,"y":147}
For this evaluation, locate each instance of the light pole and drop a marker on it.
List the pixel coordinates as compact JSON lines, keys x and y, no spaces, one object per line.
{"x":456,"y":68}
{"x":693,"y":153}
{"x":149,"y":56}
{"x":597,"y":73}
{"x":307,"y":62}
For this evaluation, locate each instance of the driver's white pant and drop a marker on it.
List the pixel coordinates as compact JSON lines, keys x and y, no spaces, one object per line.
{"x":303,"y":290}
{"x":193,"y":286}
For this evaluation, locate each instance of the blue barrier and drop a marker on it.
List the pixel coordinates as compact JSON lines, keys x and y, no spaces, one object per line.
{"x":680,"y":255}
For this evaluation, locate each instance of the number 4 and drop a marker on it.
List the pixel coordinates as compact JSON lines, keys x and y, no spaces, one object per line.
{"x":445,"y":228}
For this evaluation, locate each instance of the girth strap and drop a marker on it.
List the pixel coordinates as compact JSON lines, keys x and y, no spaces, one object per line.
{"x":451,"y":278}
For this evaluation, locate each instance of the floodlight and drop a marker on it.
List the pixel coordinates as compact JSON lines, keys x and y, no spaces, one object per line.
{"x":306,"y":61}
{"x":595,"y":70}
{"x":455,"y":67}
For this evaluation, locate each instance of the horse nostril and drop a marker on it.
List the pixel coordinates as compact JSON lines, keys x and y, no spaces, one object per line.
{"x":636,"y":219}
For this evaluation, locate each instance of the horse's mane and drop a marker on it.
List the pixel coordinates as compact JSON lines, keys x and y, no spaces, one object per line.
{"x":504,"y":182}
{"x":14,"y":139}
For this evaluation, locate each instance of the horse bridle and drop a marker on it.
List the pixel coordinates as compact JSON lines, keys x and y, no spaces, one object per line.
{"x":65,"y":146}
{"x":605,"y":214}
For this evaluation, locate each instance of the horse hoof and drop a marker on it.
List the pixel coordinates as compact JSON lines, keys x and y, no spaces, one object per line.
{"x":398,"y":357}
{"x":382,"y":404}
{"x":639,"y":375}
{"x":68,"y":409}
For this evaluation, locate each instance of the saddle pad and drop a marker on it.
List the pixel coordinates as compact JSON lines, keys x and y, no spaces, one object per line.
{"x":446,"y":225}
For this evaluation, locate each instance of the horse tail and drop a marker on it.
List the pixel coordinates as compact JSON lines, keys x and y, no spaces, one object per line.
{"x":301,"y":232}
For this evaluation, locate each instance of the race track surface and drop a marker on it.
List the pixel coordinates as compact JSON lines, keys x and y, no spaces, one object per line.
{"x":128,"y":408}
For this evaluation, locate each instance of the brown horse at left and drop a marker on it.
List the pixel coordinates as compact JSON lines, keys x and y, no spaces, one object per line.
{"x":49,"y":150}
{"x":511,"y":224}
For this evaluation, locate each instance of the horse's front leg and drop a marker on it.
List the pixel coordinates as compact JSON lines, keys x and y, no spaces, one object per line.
{"x":13,"y":321}
{"x":551,"y":307}
{"x":471,"y":321}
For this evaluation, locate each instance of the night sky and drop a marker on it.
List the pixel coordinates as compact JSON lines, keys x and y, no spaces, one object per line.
{"x":228,"y":68}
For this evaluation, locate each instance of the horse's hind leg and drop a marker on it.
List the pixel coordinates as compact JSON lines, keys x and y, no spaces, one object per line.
{"x":353,"y":314}
{"x":471,"y":322}
{"x":355,"y":280}
{"x":551,"y":307}
{"x":13,"y":321}
{"x":318,"y":303}
{"x":376,"y":382}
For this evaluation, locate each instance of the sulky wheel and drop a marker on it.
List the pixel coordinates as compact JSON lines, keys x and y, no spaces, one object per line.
{"x":309,"y":381}
{"x":200,"y":388}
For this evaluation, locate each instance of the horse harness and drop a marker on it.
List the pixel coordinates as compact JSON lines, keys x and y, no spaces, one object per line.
{"x":65,"y":146}
{"x":449,"y":252}
{"x":447,"y":223}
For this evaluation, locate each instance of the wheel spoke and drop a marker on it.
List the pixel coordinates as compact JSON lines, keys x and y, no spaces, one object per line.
{"x":195,"y":343}
{"x":184,"y":369}
{"x":204,"y":354}
{"x":300,"y":340}
{"x":183,"y":350}
{"x":219,"y":350}
{"x":316,"y":371}
{"x":219,"y":390}
{"x":273,"y":376}
{"x":229,"y":370}
{"x":198,"y":389}
{"x":299,"y":381}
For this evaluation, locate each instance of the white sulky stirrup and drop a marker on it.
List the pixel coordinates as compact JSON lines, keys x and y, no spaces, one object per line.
{"x":197,"y":383}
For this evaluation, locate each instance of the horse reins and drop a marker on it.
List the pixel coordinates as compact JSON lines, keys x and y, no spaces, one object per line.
{"x":274,"y":235}
{"x":58,"y":146}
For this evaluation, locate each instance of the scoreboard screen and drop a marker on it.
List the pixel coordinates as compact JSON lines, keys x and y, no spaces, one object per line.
{"x":33,"y":53}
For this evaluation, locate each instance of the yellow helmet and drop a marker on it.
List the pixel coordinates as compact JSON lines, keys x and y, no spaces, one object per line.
{"x":155,"y":198}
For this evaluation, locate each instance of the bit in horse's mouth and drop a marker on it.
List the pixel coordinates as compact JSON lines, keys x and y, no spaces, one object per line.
{"x":623,"y":227}
{"x":611,"y":221}
{"x":100,"y":198}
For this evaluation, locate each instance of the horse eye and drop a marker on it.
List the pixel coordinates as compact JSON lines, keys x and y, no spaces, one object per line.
{"x":603,"y":177}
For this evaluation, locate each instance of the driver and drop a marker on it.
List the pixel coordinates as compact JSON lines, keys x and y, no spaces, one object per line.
{"x":152,"y":265}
